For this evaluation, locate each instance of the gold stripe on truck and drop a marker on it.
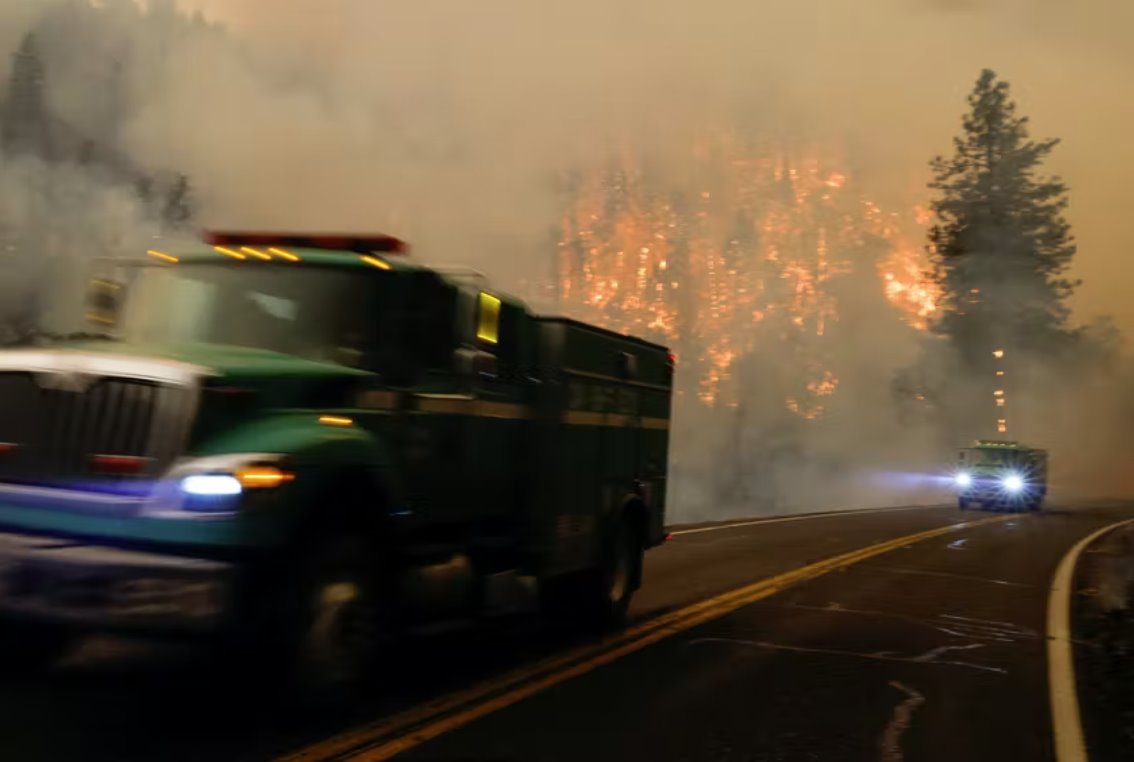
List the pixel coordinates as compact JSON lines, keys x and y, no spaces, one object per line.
{"x":462,"y":405}
{"x":458,"y":404}
{"x":591,"y":418}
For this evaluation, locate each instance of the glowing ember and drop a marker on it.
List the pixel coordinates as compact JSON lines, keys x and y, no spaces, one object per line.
{"x":748,"y":262}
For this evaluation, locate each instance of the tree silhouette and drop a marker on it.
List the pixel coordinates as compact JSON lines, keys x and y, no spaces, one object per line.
{"x":24,"y":122}
{"x":1000,"y":243}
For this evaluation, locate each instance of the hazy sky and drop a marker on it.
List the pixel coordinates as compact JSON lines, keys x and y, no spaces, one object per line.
{"x":886,"y":77}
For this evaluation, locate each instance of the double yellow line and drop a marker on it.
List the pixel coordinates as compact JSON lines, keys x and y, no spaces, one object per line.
{"x":401,"y":732}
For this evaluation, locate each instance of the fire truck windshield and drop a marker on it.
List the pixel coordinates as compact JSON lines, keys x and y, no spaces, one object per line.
{"x":978,"y":456}
{"x":315,"y":313}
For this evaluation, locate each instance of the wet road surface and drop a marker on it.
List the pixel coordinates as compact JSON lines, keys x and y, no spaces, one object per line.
{"x":934,"y":649}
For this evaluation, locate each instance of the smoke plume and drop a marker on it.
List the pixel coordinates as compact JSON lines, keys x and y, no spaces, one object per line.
{"x":453,"y":124}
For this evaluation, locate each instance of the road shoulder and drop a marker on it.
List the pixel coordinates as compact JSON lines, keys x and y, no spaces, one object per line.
{"x":1102,"y":618}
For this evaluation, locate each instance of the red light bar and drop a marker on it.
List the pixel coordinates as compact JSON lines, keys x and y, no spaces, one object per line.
{"x":358,"y":243}
{"x":120,"y":465}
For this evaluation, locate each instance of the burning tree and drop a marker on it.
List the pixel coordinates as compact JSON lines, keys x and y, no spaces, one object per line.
{"x":763,"y":273}
{"x":759,"y":257}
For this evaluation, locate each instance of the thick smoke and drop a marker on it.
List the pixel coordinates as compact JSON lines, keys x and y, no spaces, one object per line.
{"x":451,"y":124}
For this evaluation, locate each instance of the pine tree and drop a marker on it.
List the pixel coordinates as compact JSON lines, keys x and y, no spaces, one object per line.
{"x":1000,"y":244}
{"x":178,"y":208}
{"x":24,"y":122}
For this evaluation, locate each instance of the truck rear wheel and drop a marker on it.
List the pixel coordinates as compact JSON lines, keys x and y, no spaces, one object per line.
{"x":600,"y":598}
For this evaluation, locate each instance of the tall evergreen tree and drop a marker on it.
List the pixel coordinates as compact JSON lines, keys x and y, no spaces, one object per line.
{"x":178,"y":208}
{"x":24,"y":121}
{"x":1000,"y":243}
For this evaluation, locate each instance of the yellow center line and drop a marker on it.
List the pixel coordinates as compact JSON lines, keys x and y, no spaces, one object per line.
{"x":1066,"y":721}
{"x":381,"y":740}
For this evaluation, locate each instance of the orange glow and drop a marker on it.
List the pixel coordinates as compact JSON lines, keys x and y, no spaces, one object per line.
{"x":162,"y":256}
{"x":721,"y":272}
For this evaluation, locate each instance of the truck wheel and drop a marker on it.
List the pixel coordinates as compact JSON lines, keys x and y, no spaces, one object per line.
{"x":599,"y":598}
{"x":623,"y":568}
{"x":331,"y":624}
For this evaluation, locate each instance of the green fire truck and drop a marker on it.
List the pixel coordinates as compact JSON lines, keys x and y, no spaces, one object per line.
{"x":313,"y":444}
{"x":1001,"y":474}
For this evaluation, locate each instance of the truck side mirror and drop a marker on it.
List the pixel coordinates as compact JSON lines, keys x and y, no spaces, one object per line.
{"x":104,"y":302}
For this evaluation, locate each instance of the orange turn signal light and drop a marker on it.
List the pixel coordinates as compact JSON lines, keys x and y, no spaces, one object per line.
{"x":262,"y":477}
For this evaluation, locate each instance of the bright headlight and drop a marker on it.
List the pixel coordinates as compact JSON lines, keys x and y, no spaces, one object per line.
{"x":211,"y":485}
{"x":1013,"y":482}
{"x":963,"y":479}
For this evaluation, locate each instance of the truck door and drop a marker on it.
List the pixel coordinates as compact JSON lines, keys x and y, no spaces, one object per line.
{"x":500,"y":416}
{"x":416,"y":334}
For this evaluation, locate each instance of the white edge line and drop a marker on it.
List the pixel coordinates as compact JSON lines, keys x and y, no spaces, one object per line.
{"x":1066,"y":721}
{"x":783,"y":519}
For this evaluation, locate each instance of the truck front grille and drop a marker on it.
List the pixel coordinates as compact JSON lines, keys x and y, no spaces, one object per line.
{"x":51,"y":435}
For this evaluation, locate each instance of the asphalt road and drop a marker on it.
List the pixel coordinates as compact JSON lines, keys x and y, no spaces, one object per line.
{"x":934,"y":649}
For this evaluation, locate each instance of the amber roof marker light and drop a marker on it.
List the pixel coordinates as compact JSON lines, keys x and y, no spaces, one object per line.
{"x":229,"y":252}
{"x":255,"y":253}
{"x":358,"y":243}
{"x":381,"y":264}
{"x":283,"y":254}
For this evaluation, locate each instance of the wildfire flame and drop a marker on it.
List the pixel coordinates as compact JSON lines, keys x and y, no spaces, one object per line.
{"x":750,"y":258}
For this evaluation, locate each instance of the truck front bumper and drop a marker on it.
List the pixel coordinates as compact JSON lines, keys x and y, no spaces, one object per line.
{"x":99,"y":587}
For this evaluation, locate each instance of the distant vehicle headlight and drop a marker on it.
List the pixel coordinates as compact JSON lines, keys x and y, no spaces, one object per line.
{"x":1013,"y":482}
{"x":963,"y":479}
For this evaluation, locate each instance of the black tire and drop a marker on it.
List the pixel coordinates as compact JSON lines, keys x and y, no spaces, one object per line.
{"x":599,"y":599}
{"x":963,"y":503}
{"x":26,"y":647}
{"x":323,"y":634}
